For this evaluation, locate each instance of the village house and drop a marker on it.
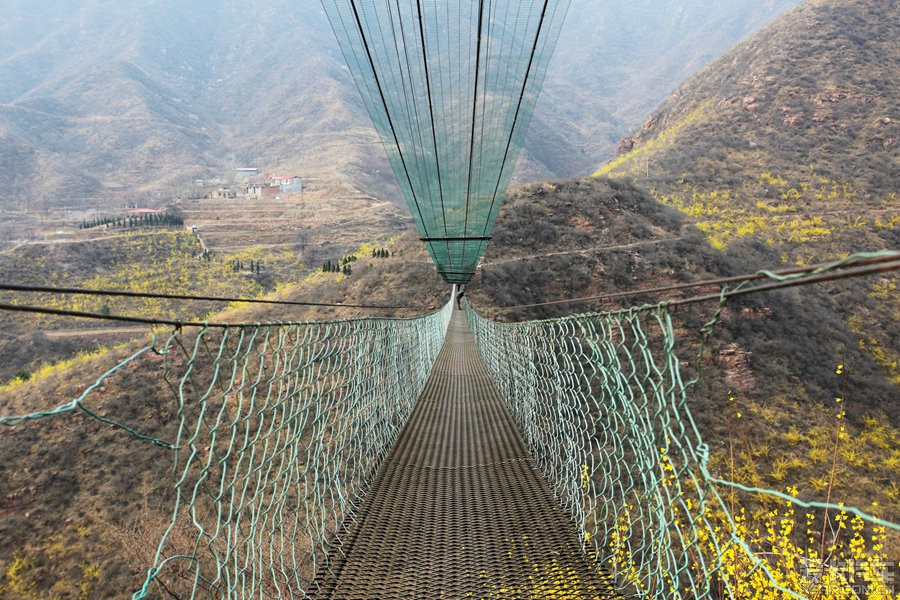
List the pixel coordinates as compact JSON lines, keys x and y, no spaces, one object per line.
{"x":262,"y":190}
{"x":222,"y":193}
{"x":291,"y":184}
{"x":245,"y":173}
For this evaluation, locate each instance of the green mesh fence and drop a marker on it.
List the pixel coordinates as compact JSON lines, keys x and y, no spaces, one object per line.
{"x":451,"y":87}
{"x":601,"y":403}
{"x":278,"y":430}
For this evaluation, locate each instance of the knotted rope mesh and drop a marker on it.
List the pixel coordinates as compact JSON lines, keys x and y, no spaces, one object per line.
{"x":277,"y":430}
{"x":602,"y":405}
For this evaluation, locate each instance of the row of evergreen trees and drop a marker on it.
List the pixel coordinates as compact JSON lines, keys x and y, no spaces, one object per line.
{"x":255,"y":266}
{"x":330,"y":267}
{"x":342,"y":266}
{"x":165,"y":219}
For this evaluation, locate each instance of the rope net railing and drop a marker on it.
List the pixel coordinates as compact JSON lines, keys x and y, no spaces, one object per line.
{"x":450,"y":87}
{"x":602,"y":405}
{"x":274,"y":432}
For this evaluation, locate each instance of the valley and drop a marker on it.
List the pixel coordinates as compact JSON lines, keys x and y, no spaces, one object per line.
{"x":781,"y":152}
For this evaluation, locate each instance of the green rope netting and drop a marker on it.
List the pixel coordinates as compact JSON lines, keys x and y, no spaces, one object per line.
{"x":601,"y":403}
{"x":450,"y":87}
{"x":280,"y":428}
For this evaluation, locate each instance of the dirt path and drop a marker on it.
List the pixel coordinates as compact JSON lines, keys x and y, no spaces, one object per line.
{"x":584,"y":250}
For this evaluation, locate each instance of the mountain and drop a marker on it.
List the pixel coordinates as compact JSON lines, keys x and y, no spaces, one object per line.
{"x":790,"y":142}
{"x":617,"y":60}
{"x":133,"y":97}
{"x":791,"y":137}
{"x":130,"y":100}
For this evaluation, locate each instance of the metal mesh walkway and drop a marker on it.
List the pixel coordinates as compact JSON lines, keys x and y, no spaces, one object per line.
{"x":457,"y":509}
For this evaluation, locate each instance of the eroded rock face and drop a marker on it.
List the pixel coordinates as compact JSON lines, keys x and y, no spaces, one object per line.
{"x":625,"y":145}
{"x":736,"y":363}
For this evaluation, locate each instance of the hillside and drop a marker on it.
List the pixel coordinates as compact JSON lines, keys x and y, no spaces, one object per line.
{"x":581,"y":238}
{"x":129,"y":101}
{"x":791,"y":137}
{"x":616,"y":61}
{"x":252,"y":247}
{"x":790,"y":140}
{"x":135,"y":98}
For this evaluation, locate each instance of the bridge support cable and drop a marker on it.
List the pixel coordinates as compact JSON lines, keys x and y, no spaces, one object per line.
{"x":600,"y":400}
{"x":856,"y":265}
{"x":450,"y":87}
{"x":9,"y":287}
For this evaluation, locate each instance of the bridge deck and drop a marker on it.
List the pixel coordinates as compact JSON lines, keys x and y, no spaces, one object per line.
{"x":457,"y":509}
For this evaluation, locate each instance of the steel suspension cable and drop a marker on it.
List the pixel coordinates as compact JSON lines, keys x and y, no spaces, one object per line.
{"x":387,"y":113}
{"x":431,"y":121}
{"x":11,"y":287}
{"x":478,"y":34}
{"x":518,"y":107}
{"x":866,"y":258}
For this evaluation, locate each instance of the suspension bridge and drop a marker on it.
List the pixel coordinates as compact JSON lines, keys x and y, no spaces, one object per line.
{"x":450,"y":456}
